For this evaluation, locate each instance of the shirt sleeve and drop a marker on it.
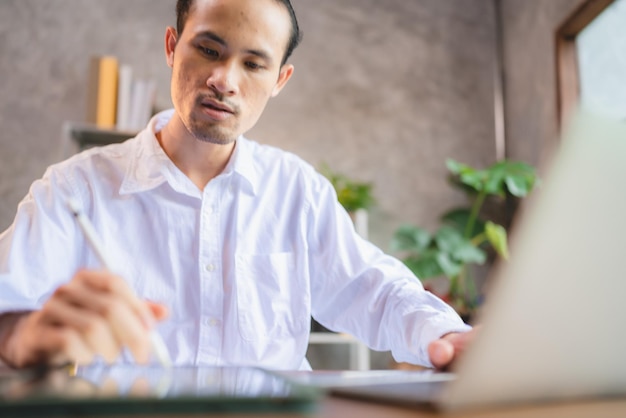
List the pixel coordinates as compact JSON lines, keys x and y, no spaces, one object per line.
{"x":39,"y":251}
{"x":358,"y":289}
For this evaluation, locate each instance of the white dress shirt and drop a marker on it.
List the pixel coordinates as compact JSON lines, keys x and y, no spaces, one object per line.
{"x":242,"y":265}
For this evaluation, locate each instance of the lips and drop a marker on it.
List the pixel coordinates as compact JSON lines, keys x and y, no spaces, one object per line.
{"x":215,"y":105}
{"x":215,"y":110}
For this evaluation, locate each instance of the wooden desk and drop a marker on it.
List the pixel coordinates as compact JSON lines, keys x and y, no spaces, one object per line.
{"x":337,"y":407}
{"x":344,"y":408}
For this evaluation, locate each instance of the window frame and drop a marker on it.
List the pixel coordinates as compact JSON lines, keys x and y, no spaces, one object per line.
{"x":568,"y":76}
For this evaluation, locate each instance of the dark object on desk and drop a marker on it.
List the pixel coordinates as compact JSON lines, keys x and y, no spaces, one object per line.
{"x":129,"y":389}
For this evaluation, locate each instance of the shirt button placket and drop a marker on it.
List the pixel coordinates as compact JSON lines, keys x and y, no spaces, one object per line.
{"x":212,"y":292}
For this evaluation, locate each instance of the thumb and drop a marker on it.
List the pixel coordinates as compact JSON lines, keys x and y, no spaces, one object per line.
{"x":441,"y":353}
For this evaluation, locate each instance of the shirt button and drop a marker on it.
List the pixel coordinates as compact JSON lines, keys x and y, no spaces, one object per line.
{"x":209,"y":210}
{"x":210,"y":267}
{"x":211,"y":322}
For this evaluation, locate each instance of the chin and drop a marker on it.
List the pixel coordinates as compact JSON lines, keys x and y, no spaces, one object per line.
{"x":213,"y":136}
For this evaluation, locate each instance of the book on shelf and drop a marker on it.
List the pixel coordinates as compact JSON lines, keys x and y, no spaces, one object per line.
{"x":124,"y":88}
{"x":102,"y":92}
{"x":117,"y":98}
{"x":142,"y":96}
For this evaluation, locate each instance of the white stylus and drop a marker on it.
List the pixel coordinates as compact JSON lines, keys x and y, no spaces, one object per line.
{"x":158,"y":346}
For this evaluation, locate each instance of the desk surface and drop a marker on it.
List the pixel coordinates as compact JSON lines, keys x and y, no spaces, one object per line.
{"x":333,"y":406}
{"x":337,"y":407}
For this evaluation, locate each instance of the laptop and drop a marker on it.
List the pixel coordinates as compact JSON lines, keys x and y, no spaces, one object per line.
{"x":555,"y":314}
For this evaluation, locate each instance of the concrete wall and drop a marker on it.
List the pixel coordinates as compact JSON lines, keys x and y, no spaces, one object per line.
{"x":45,"y":47}
{"x":530,"y":75}
{"x":383,"y":91}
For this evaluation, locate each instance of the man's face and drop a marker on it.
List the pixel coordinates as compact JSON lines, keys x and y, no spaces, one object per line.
{"x":226,"y":65}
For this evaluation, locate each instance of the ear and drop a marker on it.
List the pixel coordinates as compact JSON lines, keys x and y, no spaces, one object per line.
{"x":170,"y":44}
{"x":285,"y":74}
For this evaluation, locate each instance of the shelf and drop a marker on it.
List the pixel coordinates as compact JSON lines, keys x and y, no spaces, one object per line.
{"x":87,"y":135}
{"x":359,"y":352}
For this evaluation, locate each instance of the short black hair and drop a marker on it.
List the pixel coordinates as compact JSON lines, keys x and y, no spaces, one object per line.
{"x":182,"y":12}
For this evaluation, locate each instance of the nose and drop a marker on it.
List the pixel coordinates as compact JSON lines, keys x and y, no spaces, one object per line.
{"x":223,"y":78}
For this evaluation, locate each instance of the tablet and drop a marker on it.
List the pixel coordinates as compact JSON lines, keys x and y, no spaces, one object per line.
{"x":131,"y":389}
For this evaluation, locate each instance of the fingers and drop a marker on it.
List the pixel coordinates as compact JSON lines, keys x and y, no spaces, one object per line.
{"x":96,"y":313}
{"x":159,"y":311}
{"x":96,"y":334}
{"x":121,"y":319}
{"x":444,"y":351}
{"x":67,"y":346}
{"x":38,"y":342}
{"x":110,"y":284}
{"x":441,"y":353}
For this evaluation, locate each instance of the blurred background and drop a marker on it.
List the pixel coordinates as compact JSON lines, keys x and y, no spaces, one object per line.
{"x":383,"y":91}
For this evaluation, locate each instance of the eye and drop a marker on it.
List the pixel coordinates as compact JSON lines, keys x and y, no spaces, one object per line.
{"x":253,"y":65}
{"x":208,"y":51}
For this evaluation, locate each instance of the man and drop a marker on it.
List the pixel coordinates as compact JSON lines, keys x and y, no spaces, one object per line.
{"x":223,"y":246}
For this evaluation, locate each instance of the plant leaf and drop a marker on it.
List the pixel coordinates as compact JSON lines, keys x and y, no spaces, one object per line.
{"x":496,"y":234}
{"x":447,"y":238}
{"x":352,"y":195}
{"x":495,"y":175}
{"x":410,"y":238}
{"x":458,"y":218}
{"x":449,"y":266}
{"x":454,"y":166}
{"x":516,"y":177}
{"x":468,"y":253}
{"x":520,"y":186}
{"x":467,"y":175}
{"x":424,"y":266}
{"x":451,"y":241}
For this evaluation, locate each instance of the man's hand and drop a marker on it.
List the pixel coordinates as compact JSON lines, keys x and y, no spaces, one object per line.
{"x":96,"y":313}
{"x":444,"y":351}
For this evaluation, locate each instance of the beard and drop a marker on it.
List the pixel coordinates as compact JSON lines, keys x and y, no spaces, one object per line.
{"x":212,"y":131}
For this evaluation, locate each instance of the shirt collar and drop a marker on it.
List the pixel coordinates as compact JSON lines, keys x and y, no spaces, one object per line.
{"x":242,"y":163}
{"x":149,"y":166}
{"x":147,"y":159}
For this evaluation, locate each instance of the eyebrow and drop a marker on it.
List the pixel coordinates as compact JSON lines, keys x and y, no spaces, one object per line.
{"x":215,"y":38}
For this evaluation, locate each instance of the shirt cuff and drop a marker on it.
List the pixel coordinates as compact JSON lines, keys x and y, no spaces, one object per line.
{"x":432,"y":330}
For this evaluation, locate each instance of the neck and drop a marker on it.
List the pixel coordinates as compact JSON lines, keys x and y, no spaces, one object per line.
{"x":200,"y":161}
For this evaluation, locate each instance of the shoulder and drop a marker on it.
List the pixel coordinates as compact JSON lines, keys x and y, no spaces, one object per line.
{"x":277,"y":168}
{"x":113,"y":153}
{"x":271,"y":158}
{"x":99,"y":165}
{"x":289,"y":179}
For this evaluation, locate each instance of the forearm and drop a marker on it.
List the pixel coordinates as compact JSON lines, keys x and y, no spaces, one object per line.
{"x":10,"y":324}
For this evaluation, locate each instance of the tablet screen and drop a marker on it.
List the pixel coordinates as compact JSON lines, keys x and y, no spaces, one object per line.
{"x":123,"y":389}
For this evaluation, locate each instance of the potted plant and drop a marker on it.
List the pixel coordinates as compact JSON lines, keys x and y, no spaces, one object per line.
{"x":465,"y":235}
{"x":355,"y":196}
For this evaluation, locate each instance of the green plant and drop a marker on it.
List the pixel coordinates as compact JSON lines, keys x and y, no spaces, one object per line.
{"x":352,"y":195}
{"x":464,"y":236}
